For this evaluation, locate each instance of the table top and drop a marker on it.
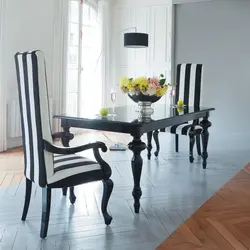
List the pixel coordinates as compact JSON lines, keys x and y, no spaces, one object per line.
{"x":126,"y":118}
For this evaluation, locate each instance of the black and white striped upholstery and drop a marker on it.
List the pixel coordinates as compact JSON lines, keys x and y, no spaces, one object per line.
{"x":48,"y":165}
{"x":68,"y":165}
{"x":33,"y":97}
{"x":184,"y":129}
{"x":41,"y":167}
{"x":188,"y":89}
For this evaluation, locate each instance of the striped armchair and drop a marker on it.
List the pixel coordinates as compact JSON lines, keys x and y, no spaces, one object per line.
{"x":47,"y":165}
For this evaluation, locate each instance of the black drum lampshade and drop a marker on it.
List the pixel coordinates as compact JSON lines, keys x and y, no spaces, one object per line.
{"x":135,"y":40}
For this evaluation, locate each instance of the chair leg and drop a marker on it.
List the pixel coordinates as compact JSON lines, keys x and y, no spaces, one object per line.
{"x":191,"y":147}
{"x":46,"y":194}
{"x":64,"y":191}
{"x":107,"y":190}
{"x":72,"y":196}
{"x":176,"y":143}
{"x":27,"y":198}
{"x":157,"y":143}
{"x":198,"y":144}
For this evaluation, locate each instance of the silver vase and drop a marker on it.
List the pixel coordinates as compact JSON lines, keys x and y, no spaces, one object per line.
{"x":144,"y":111}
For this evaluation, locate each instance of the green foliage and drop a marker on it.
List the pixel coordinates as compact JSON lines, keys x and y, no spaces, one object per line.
{"x":162,"y":81}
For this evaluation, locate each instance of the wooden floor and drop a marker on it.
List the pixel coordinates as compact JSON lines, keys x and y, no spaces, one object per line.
{"x":11,"y":167}
{"x":173,"y":189}
{"x":12,"y":163}
{"x":223,"y":222}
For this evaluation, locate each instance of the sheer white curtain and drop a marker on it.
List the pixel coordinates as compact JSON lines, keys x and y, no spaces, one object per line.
{"x":3,"y":131}
{"x":61,"y":9}
{"x":104,"y":18}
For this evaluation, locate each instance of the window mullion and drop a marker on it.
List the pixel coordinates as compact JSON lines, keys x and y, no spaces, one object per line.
{"x":79,"y":95}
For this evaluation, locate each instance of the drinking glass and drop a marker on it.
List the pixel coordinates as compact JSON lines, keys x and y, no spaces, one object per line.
{"x":172,"y":96}
{"x":113,"y":99}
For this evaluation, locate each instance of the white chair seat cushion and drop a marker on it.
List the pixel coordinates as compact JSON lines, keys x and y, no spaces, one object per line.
{"x":183,"y":129}
{"x":69,"y":165}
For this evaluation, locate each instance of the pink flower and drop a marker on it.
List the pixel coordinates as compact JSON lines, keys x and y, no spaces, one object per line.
{"x":151,"y":89}
{"x":155,"y":82}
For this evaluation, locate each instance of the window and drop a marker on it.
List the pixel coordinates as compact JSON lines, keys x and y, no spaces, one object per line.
{"x":84,"y":88}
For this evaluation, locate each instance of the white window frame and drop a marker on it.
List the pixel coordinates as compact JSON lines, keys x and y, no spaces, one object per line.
{"x":94,"y":5}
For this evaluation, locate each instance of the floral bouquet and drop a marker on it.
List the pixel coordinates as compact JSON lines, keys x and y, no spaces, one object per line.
{"x":144,"y":86}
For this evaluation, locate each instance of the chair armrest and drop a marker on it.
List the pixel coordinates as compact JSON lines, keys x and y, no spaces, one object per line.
{"x":72,"y":150}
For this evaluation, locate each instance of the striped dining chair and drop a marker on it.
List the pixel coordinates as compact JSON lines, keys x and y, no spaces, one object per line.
{"x":47,"y":165}
{"x":189,"y":85}
{"x":188,"y":88}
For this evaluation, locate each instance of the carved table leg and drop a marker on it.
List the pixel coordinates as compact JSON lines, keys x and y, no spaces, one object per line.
{"x":149,"y":135}
{"x":66,"y":138}
{"x":205,"y":123}
{"x":137,"y":146}
{"x":156,"y":138}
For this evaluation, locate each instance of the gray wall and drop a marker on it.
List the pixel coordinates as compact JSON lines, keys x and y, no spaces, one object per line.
{"x":217,"y":34}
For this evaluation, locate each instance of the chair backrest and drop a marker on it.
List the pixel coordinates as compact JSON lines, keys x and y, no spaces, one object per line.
{"x":189,"y":81}
{"x":35,"y":115}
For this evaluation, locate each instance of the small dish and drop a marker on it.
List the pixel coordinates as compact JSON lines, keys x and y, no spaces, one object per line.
{"x":176,"y":106}
{"x":103,"y":115}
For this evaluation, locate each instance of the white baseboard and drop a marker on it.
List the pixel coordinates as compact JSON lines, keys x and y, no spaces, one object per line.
{"x":14,"y":142}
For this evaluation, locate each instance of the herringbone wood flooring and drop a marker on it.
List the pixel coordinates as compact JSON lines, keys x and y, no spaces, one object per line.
{"x":11,"y":167}
{"x":222,"y":223}
{"x":12,"y":163}
{"x":172,"y":190}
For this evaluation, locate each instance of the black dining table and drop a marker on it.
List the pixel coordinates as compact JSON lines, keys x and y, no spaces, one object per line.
{"x":126,"y":121}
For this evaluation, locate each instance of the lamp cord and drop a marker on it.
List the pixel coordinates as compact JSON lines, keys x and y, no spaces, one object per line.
{"x":116,"y":144}
{"x":107,"y":137}
{"x":102,"y":51}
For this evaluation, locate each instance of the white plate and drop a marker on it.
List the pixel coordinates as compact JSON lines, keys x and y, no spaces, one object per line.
{"x":176,"y":106}
{"x":103,"y":115}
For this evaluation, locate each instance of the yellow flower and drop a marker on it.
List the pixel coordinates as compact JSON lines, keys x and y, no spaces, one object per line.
{"x":124,"y":82}
{"x":161,"y":91}
{"x":131,"y":87}
{"x":142,"y":83}
{"x":124,"y":89}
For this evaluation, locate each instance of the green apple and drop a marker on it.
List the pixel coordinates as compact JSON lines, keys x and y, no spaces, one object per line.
{"x":180,"y":103}
{"x":104,"y":112}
